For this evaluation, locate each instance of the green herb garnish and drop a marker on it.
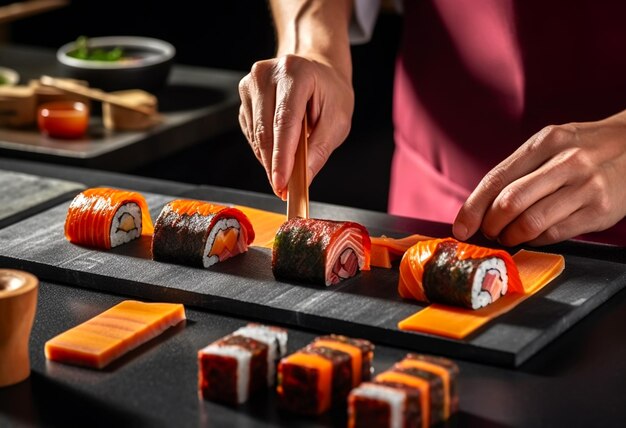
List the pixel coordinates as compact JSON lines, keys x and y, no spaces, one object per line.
{"x":83,"y":51}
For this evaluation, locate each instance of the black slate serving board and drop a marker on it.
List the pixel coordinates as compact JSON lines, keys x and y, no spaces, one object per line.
{"x":22,"y":195}
{"x":365,"y":306}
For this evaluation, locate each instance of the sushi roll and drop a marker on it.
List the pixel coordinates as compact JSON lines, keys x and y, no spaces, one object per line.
{"x":103,"y":217}
{"x":322,"y":374}
{"x":320,"y":251}
{"x":384,"y":405}
{"x":198,"y":233}
{"x":233,"y":368}
{"x":418,"y":391}
{"x":455,"y":273}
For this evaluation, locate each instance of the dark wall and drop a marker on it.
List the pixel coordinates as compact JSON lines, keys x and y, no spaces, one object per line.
{"x":233,"y":35}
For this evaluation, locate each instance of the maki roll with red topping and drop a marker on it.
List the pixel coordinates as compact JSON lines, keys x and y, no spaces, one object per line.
{"x":198,"y":233}
{"x":320,"y":251}
{"x":455,"y":273}
{"x":322,"y":374}
{"x":233,"y":368}
{"x":104,"y":217}
{"x":418,"y":391}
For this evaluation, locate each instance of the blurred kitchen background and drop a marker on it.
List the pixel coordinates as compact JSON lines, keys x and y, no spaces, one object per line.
{"x":233,"y":35}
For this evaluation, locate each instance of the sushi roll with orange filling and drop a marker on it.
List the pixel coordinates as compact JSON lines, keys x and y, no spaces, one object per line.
{"x":418,"y":391}
{"x":321,"y":375}
{"x":199,"y":233}
{"x":103,"y":217}
{"x":233,"y":368}
{"x":456,"y":273}
{"x":320,"y":251}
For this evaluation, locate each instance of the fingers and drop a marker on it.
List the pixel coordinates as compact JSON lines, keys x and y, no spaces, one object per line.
{"x":271,"y":112}
{"x":528,"y":158}
{"x":570,"y":227}
{"x":543,"y":218}
{"x":291,"y":106}
{"x":276,"y":95}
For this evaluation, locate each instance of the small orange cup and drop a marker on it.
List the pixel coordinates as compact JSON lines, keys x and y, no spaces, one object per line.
{"x":63,"y":119}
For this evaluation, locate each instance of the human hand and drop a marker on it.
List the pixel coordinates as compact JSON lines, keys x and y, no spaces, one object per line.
{"x":564,"y":181}
{"x":274,"y":99}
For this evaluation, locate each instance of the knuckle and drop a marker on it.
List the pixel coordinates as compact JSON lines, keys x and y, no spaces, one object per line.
{"x":558,"y":134}
{"x":284,"y":117}
{"x":261,"y":133}
{"x":494,"y":179}
{"x":289,"y":63}
{"x":553,"y":234}
{"x":243,"y":85}
{"x":322,"y":151}
{"x":511,"y":201}
{"x":602,"y":202}
{"x":258,"y":70}
{"x":531,"y":224}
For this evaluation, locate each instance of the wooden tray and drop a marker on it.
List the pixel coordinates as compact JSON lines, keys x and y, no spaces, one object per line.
{"x":365,"y":306}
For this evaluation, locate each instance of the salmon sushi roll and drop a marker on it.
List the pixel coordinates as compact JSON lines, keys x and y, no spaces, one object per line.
{"x":320,"y":251}
{"x":455,"y":273}
{"x":235,"y":367}
{"x":103,"y":217}
{"x":418,"y":391}
{"x":201,"y":234}
{"x":321,"y":375}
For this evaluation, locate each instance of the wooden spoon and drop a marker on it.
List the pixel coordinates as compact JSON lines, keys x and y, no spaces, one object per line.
{"x":298,"y":187}
{"x":93,"y":93}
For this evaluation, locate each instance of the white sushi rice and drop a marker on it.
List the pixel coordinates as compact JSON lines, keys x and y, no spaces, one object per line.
{"x":395,"y":399}
{"x":243,"y":357}
{"x":120,"y":233}
{"x":480,"y":297}
{"x":221,"y":225}
{"x":274,"y":338}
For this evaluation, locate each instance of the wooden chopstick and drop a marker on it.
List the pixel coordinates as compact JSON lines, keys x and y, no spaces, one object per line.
{"x":23,"y":9}
{"x":93,"y":93}
{"x":298,"y":187}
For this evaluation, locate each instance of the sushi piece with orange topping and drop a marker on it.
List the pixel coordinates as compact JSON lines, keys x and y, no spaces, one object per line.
{"x":418,"y":391}
{"x":199,"y":233}
{"x":320,"y":376}
{"x":104,"y":217}
{"x":456,"y":273}
{"x":319,"y":251}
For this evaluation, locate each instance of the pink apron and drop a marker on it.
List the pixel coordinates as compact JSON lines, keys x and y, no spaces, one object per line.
{"x":476,"y":78}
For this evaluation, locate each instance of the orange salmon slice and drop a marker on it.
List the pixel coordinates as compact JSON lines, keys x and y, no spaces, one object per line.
{"x":109,"y":335}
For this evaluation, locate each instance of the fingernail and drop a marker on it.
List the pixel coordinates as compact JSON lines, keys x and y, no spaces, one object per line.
{"x":460,"y":231}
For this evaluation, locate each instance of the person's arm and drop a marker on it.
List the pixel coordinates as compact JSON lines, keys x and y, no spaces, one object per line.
{"x":565,"y":181}
{"x":312,"y":66}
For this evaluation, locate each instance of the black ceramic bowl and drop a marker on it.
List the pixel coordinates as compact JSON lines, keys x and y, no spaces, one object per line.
{"x":145,"y":64}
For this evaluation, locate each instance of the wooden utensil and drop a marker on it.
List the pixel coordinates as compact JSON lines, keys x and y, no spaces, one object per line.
{"x":18,"y":303}
{"x":298,"y":187}
{"x":95,"y":94}
{"x":23,"y":9}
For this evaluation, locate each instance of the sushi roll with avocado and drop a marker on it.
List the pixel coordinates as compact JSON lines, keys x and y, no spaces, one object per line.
{"x":235,"y":367}
{"x":320,"y":251}
{"x":320,"y":376}
{"x":418,"y":391}
{"x":104,"y":217}
{"x":456,"y":273}
{"x":199,"y":233}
